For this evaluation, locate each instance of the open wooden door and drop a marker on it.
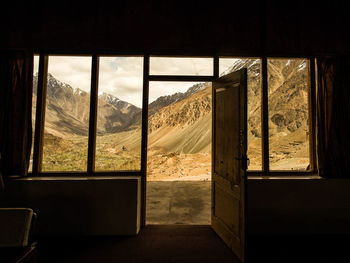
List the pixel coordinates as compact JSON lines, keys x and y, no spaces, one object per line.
{"x":229,"y":160}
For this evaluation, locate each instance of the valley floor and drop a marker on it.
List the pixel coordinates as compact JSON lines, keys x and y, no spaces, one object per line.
{"x":166,"y":158}
{"x":179,"y":167}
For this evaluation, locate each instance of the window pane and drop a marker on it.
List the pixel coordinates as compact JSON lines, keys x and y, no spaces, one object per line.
{"x":228,"y":65}
{"x":35,"y":91}
{"x":67,"y":114}
{"x":288,"y":91}
{"x":119,"y":114}
{"x":181,"y":66}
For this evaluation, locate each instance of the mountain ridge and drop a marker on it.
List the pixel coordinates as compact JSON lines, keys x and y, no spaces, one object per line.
{"x":113,"y":114}
{"x":288,"y":110}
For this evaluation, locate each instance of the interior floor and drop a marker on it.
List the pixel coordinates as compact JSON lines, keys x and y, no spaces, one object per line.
{"x":175,"y":243}
{"x":154,"y":244}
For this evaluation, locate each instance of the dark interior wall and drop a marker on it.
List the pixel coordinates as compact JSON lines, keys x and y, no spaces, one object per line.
{"x":71,"y":206}
{"x":189,"y":27}
{"x":298,"y":206}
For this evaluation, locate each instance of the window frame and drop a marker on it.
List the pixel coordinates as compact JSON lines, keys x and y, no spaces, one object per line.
{"x":40,"y":122}
{"x":265,"y":172}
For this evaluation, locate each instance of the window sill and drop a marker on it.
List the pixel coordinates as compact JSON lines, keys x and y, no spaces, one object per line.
{"x":72,"y":178}
{"x":285,"y":177}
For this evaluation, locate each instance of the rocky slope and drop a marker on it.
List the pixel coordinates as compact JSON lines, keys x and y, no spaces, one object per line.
{"x":288,"y":95}
{"x":186,"y":110}
{"x":184,"y":126}
{"x":181,"y":122}
{"x":115,"y":115}
{"x":164,"y":101}
{"x":68,"y":110}
{"x":172,"y":127}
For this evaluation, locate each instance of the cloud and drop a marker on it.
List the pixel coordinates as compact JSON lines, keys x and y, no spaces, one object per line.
{"x":122,"y":77}
{"x":73,"y":70}
{"x":181,"y":66}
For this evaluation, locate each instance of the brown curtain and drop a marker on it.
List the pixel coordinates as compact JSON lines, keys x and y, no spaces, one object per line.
{"x":16,"y":76}
{"x":333,"y":117}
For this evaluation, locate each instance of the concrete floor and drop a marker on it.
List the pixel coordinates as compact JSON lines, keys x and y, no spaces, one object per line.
{"x":178,"y":202}
{"x":155,"y":244}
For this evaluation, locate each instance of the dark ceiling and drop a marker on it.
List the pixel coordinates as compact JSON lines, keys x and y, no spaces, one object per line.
{"x":176,"y":27}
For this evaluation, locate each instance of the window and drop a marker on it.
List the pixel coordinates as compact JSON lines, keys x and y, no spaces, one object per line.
{"x":94,"y":121}
{"x":284,"y":143}
{"x":70,"y":124}
{"x":288,"y":104}
{"x":65,"y":138}
{"x":119,"y":111}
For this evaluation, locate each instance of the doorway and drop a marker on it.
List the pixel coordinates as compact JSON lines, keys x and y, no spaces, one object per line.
{"x":179,"y":153}
{"x":174,"y":160}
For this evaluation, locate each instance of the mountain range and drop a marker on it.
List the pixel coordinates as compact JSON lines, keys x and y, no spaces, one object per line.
{"x":67,"y":111}
{"x":181,"y":122}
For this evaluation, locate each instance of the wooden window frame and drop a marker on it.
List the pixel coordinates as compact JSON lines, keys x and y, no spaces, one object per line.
{"x":40,"y":119}
{"x":266,"y":172}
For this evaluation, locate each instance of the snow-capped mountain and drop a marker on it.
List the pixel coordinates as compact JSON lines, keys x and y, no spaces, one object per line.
{"x":68,"y":110}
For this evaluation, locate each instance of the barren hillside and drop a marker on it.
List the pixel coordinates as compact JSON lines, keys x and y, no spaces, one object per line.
{"x":179,"y":125}
{"x":184,"y":126}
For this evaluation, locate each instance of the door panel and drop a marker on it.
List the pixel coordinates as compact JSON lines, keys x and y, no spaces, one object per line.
{"x":227,"y":211}
{"x":229,"y":159}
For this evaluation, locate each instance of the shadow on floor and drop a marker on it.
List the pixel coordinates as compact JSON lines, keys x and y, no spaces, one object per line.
{"x":184,"y":244}
{"x":154,"y":244}
{"x":299,"y":248}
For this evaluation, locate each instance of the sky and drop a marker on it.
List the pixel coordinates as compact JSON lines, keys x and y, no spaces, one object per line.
{"x":122,"y":77}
